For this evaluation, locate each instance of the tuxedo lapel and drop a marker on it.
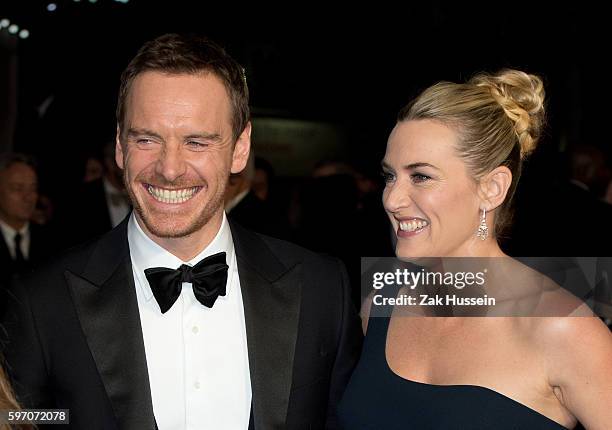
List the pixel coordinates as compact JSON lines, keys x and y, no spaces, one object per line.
{"x":105,"y":300}
{"x":271,"y":295}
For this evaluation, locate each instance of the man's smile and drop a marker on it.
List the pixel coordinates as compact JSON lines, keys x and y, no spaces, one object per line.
{"x":172,"y":196}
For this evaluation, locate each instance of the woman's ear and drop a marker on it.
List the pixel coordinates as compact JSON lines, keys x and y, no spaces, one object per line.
{"x":493,"y":187}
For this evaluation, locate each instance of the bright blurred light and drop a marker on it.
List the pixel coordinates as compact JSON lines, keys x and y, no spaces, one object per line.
{"x":51,"y":7}
{"x":4,"y":23}
{"x":122,"y":1}
{"x":13,"y":28}
{"x":92,"y":1}
{"x":24,"y":34}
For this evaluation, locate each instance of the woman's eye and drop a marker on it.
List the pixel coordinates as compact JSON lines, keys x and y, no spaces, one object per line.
{"x":387,"y":177}
{"x":418,"y":177}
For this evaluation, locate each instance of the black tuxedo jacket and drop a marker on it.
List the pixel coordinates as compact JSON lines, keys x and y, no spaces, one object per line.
{"x":41,"y":244}
{"x":75,"y":340}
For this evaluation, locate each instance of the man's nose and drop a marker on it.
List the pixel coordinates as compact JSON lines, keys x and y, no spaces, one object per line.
{"x":171,"y":164}
{"x":29,"y":194}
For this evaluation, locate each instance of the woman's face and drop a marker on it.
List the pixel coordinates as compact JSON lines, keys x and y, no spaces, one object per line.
{"x":431,"y":200}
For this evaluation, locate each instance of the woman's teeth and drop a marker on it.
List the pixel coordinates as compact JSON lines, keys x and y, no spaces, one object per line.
{"x":413,"y":225}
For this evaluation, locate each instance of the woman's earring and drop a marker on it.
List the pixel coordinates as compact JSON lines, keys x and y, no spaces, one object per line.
{"x":483,"y":230}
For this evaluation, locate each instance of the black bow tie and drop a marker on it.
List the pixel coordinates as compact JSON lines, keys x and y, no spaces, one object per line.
{"x":208,"y":277}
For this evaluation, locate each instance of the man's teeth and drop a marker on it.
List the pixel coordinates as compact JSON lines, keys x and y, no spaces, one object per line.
{"x":172,"y":196}
{"x":412,"y":225}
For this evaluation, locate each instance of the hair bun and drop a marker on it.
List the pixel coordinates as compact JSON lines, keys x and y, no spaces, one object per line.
{"x":521,"y":95}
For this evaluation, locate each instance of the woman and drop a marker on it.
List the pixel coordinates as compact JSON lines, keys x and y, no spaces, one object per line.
{"x":8,"y":403}
{"x":451,"y":167}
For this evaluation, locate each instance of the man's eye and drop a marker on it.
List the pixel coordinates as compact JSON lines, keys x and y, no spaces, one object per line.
{"x":144,"y":141}
{"x":196,"y":144}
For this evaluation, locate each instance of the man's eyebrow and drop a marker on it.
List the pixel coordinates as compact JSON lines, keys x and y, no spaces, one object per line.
{"x":133,"y":132}
{"x":410,"y":166}
{"x":205,"y":135}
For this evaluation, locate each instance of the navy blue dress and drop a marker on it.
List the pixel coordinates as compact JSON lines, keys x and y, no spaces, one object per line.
{"x":377,"y":398}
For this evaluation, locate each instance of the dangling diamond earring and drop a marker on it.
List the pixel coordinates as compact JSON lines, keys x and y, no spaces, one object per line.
{"x":483,"y":230}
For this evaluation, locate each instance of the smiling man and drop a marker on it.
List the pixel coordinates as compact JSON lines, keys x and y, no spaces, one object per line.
{"x":177,"y":318}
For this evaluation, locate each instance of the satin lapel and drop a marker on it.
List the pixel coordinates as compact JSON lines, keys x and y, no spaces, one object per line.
{"x":272,"y":295}
{"x":105,"y":299}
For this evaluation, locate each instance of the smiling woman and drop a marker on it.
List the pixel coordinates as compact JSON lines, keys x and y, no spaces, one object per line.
{"x":451,"y":168}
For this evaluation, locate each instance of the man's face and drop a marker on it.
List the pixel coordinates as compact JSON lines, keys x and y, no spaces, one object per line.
{"x":18,"y":194}
{"x":177,"y":151}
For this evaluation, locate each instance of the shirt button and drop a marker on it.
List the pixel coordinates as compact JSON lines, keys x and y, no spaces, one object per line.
{"x":195,"y":329}
{"x":197,"y":385}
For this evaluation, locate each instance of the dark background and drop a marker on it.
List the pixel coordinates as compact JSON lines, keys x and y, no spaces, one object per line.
{"x":355,"y":67}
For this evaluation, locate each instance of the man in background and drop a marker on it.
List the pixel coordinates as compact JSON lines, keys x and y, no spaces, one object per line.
{"x":22,"y":242}
{"x":100,"y":205}
{"x":243,"y":206}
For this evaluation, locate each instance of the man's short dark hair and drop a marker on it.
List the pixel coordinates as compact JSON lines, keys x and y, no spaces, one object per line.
{"x":7,"y":159}
{"x":189,"y":54}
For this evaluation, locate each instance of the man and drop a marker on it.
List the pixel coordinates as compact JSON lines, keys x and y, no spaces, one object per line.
{"x":244,"y":207}
{"x":22,"y":243}
{"x":125,"y":341}
{"x":102,"y":204}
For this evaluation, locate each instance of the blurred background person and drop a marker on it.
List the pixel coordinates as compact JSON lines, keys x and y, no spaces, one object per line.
{"x":245,"y":205}
{"x":102,"y":202}
{"x":263,"y":179}
{"x":576,"y":194}
{"x":23,"y":243}
{"x":94,"y":169}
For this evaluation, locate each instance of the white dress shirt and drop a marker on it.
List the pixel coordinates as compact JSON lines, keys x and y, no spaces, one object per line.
{"x":118,"y":208}
{"x":197,"y":357}
{"x":9,"y":234}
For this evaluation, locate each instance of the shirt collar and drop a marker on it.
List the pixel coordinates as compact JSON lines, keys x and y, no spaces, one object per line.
{"x":580,"y":184}
{"x":10,"y":233}
{"x":145,"y":253}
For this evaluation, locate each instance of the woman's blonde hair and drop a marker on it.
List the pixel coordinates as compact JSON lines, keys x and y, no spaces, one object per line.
{"x":498,"y":117}
{"x":8,"y":402}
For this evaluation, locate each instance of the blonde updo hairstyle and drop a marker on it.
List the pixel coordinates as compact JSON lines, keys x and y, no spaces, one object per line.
{"x":498,"y":119}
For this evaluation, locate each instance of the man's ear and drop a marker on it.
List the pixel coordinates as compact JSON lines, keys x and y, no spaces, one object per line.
{"x":242,"y":148}
{"x":118,"y":149}
{"x":493,"y":187}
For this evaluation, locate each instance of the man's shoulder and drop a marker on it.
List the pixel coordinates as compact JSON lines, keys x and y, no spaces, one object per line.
{"x":285,"y":250}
